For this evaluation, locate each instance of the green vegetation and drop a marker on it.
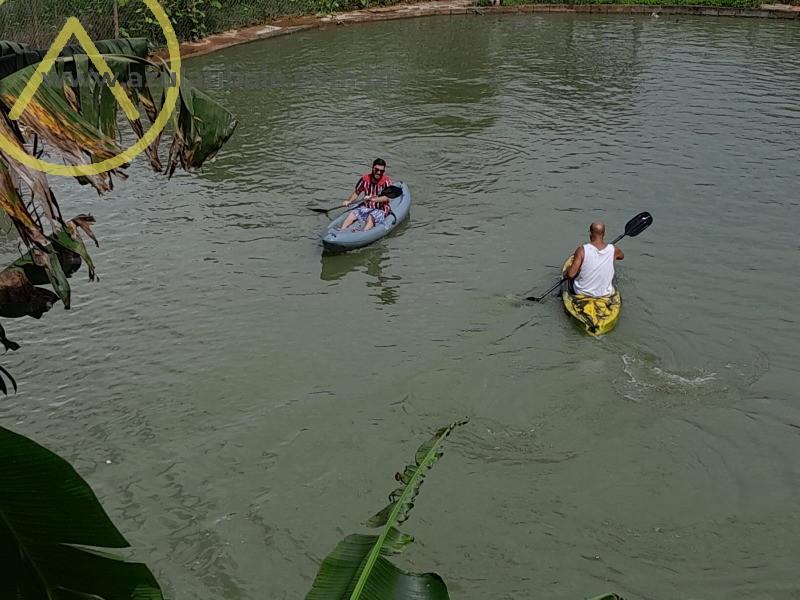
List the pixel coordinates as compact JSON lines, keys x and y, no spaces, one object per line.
{"x":358,"y":568}
{"x":190,"y":18}
{"x":37,"y":21}
{"x":47,"y":512}
{"x":73,"y":118}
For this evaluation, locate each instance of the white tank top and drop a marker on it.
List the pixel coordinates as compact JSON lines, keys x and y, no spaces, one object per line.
{"x":597,"y":271}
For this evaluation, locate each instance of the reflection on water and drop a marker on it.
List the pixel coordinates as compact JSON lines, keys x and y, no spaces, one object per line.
{"x":374,"y":261}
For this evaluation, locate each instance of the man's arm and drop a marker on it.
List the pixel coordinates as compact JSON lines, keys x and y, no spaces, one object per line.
{"x":618,"y":254}
{"x":350,"y":199}
{"x":380,"y":198}
{"x":575,"y":267}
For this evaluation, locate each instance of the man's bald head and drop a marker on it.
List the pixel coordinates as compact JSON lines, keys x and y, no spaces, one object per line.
{"x":597,"y":230}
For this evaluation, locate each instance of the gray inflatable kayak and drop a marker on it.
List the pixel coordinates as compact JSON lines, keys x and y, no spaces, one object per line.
{"x":350,"y":239}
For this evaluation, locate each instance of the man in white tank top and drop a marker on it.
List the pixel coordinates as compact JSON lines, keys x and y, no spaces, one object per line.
{"x":592,"y":269}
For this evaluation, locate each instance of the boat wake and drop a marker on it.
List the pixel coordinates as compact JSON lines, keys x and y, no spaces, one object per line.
{"x":645,"y":380}
{"x":491,"y":441}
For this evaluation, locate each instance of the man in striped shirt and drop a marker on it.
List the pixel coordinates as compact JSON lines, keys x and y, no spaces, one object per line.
{"x":375,"y":208}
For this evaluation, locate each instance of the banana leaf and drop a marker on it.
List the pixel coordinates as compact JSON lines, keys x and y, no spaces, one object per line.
{"x":37,"y":273}
{"x":8,"y":345}
{"x":341,"y":572}
{"x":47,"y":514}
{"x":76,"y":119}
{"x":358,"y":568}
{"x":70,"y":239}
{"x":4,"y":373}
{"x":51,"y":264}
{"x":14,"y":56}
{"x":202,"y":127}
{"x":411,"y":479}
{"x":36,"y":181}
{"x":20,"y":298}
{"x":43,"y":267}
{"x":50,"y":116}
{"x":14,"y":207}
{"x":78,"y":123}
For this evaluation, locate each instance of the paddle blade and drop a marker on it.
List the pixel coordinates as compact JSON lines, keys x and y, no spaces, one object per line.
{"x":546,"y":294}
{"x":392,"y":192}
{"x":638,"y":224}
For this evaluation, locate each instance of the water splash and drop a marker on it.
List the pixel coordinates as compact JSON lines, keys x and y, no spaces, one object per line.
{"x":491,"y":441}
{"x":646,"y":379}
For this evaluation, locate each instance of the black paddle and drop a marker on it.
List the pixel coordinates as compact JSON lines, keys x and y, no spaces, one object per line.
{"x":632,"y":228}
{"x":391,"y":192}
{"x":325,"y":211}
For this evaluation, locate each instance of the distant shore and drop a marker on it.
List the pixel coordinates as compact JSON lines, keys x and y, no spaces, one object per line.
{"x":288,"y":25}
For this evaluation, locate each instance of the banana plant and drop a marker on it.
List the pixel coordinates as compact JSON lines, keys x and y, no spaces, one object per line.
{"x":358,"y":568}
{"x":51,"y":529}
{"x":74,"y":118}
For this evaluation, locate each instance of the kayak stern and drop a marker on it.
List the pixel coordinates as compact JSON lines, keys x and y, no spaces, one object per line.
{"x":596,"y":316}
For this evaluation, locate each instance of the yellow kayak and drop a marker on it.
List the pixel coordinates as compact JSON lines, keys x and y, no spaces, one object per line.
{"x":596,"y":316}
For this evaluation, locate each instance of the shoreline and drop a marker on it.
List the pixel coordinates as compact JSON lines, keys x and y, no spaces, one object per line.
{"x":289,"y":25}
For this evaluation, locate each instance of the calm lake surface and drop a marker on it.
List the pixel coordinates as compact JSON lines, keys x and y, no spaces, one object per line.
{"x":240,"y":402}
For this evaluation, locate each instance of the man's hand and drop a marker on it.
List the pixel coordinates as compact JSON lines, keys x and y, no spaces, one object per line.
{"x":350,"y":199}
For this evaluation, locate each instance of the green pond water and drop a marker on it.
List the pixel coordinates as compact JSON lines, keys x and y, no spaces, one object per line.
{"x":240,"y":402}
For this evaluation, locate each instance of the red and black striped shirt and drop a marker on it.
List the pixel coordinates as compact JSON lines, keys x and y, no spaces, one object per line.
{"x":369,"y":187}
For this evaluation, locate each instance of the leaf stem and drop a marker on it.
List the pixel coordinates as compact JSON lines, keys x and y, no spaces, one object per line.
{"x":409,"y":489}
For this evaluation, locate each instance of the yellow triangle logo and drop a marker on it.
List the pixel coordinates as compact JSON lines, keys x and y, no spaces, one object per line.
{"x":72,"y":28}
